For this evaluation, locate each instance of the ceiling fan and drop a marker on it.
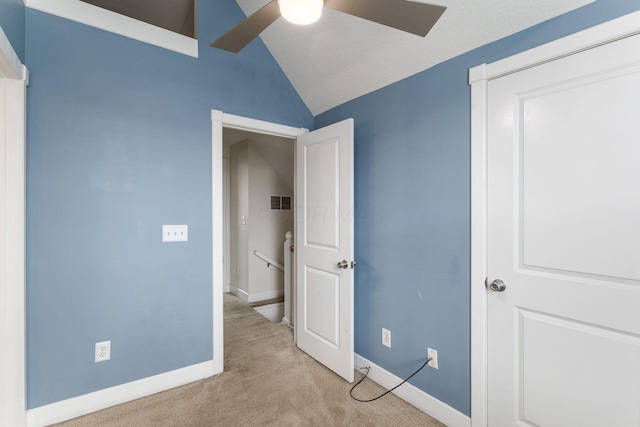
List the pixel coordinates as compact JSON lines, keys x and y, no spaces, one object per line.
{"x":409,"y":16}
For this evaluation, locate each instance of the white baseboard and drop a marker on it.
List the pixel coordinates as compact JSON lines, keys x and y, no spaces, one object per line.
{"x":413,"y":395}
{"x":239,"y":293}
{"x":262,"y":296}
{"x":256,"y":296}
{"x":92,"y":402}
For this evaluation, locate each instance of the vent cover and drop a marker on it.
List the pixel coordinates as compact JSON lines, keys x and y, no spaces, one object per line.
{"x":280,"y":203}
{"x":286,"y":203}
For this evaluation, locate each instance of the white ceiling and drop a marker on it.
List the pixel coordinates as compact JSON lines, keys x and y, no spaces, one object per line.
{"x":342,"y":57}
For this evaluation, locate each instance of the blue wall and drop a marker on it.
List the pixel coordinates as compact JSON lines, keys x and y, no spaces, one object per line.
{"x":119,"y":143}
{"x":412,"y":201}
{"x":12,"y":23}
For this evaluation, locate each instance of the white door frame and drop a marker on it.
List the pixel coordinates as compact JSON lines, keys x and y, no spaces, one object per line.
{"x":478,"y":79}
{"x":220,"y":120}
{"x":13,"y":83}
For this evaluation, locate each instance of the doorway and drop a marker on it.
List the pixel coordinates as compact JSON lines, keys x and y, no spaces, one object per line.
{"x":323,"y":184}
{"x":220,"y":122}
{"x":258,"y":213}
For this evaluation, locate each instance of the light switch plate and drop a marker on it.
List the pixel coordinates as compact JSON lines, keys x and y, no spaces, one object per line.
{"x":175,"y":233}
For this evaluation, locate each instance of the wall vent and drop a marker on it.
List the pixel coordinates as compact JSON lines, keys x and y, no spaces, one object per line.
{"x":286,"y":203}
{"x":280,"y":203}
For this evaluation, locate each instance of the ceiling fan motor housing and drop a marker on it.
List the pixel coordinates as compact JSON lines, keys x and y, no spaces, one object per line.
{"x":301,"y":12}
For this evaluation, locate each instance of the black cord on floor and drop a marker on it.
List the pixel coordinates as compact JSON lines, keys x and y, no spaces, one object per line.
{"x":386,"y":392}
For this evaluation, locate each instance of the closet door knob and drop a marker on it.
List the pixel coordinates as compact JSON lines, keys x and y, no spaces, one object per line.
{"x":498,"y":285}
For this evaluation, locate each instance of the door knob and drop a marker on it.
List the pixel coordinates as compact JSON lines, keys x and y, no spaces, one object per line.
{"x":343,"y":264}
{"x":498,"y":285}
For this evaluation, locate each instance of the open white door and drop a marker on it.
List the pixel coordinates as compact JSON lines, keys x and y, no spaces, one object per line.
{"x":324,"y":246}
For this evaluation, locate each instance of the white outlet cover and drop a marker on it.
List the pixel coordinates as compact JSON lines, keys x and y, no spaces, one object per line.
{"x":103,"y":351}
{"x":175,"y":233}
{"x":386,"y":337}
{"x":433,"y":355}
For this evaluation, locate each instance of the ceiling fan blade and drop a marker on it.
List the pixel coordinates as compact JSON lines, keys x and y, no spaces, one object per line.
{"x":240,"y":35}
{"x":409,"y":16}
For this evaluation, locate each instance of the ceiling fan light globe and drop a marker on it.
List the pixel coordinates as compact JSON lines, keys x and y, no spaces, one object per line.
{"x":301,"y":12}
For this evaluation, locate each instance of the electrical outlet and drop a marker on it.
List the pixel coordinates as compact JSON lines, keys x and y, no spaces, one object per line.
{"x":386,"y":337}
{"x":433,"y":355}
{"x":103,"y":351}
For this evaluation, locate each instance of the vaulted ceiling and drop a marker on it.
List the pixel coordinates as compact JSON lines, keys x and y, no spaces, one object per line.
{"x":341,"y":57}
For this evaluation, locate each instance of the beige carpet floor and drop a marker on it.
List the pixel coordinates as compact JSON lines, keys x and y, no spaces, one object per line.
{"x":267,"y":381}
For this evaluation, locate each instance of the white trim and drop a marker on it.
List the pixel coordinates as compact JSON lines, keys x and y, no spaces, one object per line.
{"x":96,"y":401}
{"x":479,"y":328}
{"x":10,"y":65}
{"x":13,"y":83}
{"x":217,"y":217}
{"x":258,"y":126}
{"x":103,"y":19}
{"x":618,"y":28}
{"x":478,"y":79}
{"x":413,"y":395}
{"x":226,"y":217}
{"x":218,"y":121}
{"x":266,"y":295}
{"x":255,"y":297}
{"x":243,"y":295}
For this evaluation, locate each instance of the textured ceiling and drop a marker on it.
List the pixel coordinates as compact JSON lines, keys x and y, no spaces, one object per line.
{"x":341,"y":57}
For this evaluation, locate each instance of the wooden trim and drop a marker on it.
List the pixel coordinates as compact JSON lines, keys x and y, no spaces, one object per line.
{"x":479,"y":78}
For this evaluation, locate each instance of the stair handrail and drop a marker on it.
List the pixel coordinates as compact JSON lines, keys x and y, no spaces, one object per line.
{"x":268,"y":260}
